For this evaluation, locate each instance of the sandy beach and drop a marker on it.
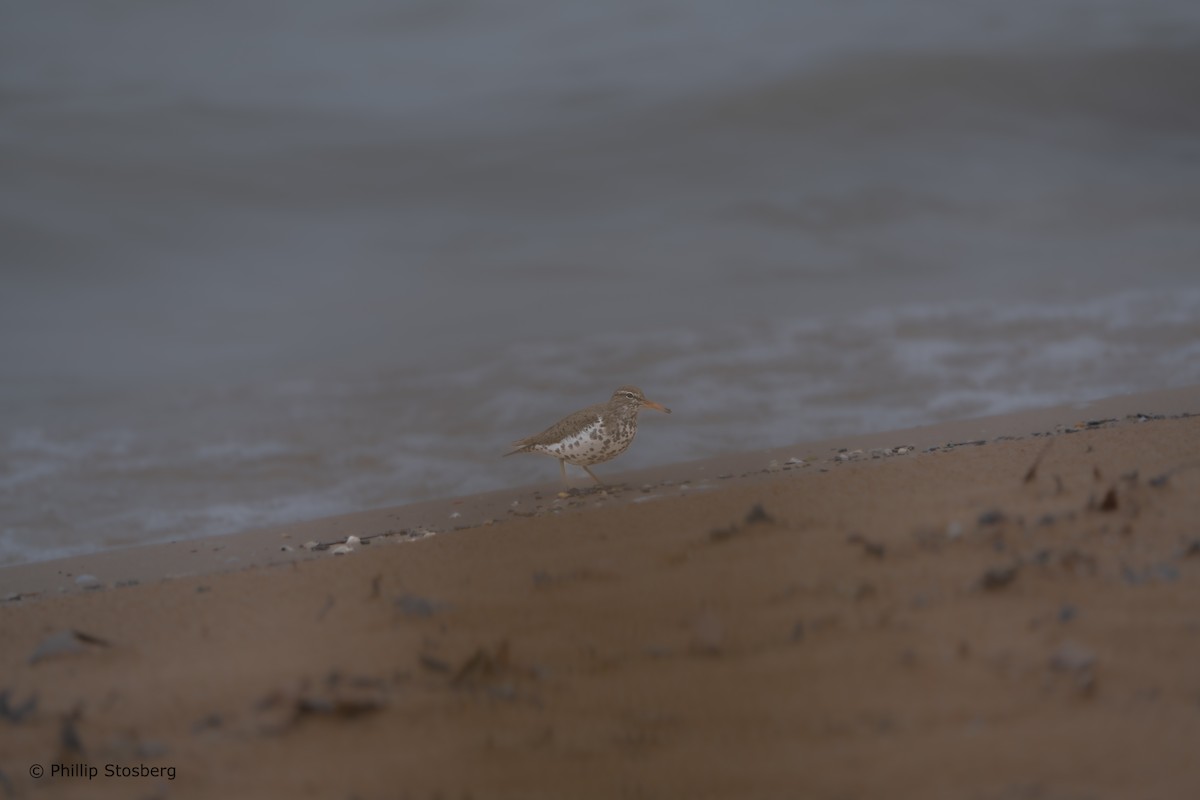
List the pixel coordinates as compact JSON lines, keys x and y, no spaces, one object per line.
{"x":997,"y":608}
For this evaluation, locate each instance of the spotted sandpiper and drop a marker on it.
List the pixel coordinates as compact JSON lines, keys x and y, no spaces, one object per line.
{"x":591,"y":435}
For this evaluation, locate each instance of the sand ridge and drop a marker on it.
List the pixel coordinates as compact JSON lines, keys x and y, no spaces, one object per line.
{"x":1019,"y":618}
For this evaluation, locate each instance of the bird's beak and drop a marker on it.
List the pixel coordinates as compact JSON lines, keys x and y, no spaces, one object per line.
{"x":656,"y":406}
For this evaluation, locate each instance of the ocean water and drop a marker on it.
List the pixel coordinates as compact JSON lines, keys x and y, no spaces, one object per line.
{"x":269,"y":261}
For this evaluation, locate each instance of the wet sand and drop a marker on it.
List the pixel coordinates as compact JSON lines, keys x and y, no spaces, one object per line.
{"x":1000,"y":608}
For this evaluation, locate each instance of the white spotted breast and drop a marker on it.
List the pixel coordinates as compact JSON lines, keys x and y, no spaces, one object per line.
{"x":591,"y":444}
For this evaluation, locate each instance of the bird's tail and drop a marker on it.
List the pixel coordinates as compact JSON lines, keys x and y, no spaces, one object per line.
{"x":520,"y":446}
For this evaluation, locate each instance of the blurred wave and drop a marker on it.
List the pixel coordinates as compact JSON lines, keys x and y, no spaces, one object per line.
{"x":223,"y":459}
{"x":269,"y":263}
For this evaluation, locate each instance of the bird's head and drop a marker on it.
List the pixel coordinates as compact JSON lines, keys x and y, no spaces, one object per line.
{"x":633,"y":396}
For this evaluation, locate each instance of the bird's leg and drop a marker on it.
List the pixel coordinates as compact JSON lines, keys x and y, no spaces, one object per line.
{"x":562,"y":467}
{"x":589,"y":472}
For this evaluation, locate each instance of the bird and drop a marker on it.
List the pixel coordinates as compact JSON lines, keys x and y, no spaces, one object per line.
{"x":592,"y":435}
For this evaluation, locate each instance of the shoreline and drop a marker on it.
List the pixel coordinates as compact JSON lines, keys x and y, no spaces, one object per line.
{"x":264,"y":547}
{"x":1004,"y":610}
